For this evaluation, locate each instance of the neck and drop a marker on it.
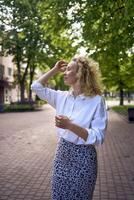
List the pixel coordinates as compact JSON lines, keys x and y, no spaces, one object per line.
{"x":76,"y":90}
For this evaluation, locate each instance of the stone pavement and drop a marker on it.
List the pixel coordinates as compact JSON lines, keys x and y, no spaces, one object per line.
{"x":27,"y":145}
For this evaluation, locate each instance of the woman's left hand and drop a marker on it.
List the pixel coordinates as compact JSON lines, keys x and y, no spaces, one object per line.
{"x":62,"y":122}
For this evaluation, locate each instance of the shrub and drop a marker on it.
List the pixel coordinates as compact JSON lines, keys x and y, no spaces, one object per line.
{"x":23,"y":106}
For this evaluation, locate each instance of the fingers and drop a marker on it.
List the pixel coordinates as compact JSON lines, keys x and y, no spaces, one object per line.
{"x":58,"y":122}
{"x":63,"y":68}
{"x":62,"y":121}
{"x":62,"y":62}
{"x":60,"y":117}
{"x":62,"y":65}
{"x":57,"y":119}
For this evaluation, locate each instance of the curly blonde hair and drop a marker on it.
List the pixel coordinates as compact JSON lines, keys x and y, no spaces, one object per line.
{"x":89,"y":75}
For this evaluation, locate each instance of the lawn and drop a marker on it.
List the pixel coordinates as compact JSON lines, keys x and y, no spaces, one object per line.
{"x":123,"y":110}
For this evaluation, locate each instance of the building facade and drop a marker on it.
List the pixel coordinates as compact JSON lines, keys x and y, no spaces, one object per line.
{"x":8,"y":91}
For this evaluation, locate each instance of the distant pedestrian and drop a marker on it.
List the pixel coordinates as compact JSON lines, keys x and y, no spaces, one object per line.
{"x":81,"y":121}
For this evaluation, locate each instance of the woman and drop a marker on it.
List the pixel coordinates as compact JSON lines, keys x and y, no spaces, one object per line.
{"x":81,"y":121}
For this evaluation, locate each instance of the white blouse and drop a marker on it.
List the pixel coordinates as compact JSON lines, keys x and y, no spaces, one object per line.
{"x":87,"y":112}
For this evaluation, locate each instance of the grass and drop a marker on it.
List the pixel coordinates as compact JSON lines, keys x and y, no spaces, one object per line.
{"x":17,"y":107}
{"x":123,"y":110}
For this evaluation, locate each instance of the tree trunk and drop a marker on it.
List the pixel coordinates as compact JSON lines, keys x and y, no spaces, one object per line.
{"x":21,"y":88}
{"x":121,"y":86}
{"x":22,"y":92}
{"x":129,"y":97}
{"x":22,"y":82}
{"x":32,"y":70}
{"x":121,"y":97}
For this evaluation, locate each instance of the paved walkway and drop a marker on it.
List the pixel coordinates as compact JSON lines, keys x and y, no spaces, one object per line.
{"x":114,"y":102}
{"x":27,"y":145}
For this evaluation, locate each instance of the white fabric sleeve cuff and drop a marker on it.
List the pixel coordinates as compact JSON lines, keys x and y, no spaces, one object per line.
{"x":35,"y":85}
{"x":94,"y":137}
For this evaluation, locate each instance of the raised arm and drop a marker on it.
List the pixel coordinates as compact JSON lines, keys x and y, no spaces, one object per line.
{"x":46,"y":93}
{"x":59,"y":67}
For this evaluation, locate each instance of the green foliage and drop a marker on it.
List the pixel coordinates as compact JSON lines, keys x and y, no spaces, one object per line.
{"x":42,"y":32}
{"x":23,"y":107}
{"x":19,"y":107}
{"x":107,"y":33}
{"x":123,"y":110}
{"x":110,"y":34}
{"x":35,"y":34}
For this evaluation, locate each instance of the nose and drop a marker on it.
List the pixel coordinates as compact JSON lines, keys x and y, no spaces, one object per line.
{"x":64,"y":72}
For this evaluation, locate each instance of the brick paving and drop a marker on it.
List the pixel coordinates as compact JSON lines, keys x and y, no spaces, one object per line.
{"x":27,"y":145}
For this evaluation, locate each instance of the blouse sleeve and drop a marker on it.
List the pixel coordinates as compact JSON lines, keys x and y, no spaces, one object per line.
{"x":97,"y":130}
{"x":45,"y":93}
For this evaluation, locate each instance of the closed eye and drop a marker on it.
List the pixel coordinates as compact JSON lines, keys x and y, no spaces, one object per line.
{"x":68,"y":68}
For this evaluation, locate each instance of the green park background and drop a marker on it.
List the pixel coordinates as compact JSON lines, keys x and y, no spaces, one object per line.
{"x":38,"y":33}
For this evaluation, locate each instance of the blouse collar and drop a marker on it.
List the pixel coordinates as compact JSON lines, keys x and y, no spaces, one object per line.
{"x":82,"y":96}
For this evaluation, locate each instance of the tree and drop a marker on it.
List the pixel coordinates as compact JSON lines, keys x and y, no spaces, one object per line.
{"x":112,"y":40}
{"x":107,"y":32}
{"x":33,"y":37}
{"x":22,"y":36}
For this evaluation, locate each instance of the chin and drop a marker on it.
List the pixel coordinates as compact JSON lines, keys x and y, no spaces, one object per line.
{"x":66,"y":83}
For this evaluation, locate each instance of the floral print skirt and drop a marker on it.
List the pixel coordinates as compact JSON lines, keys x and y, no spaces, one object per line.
{"x":74,"y":171}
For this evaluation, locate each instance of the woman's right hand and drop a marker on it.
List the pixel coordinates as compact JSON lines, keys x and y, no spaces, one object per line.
{"x":60,"y":66}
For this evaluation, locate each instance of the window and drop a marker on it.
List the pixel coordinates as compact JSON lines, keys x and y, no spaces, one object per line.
{"x":6,"y":98}
{"x":1,"y":71}
{"x":9,"y":71}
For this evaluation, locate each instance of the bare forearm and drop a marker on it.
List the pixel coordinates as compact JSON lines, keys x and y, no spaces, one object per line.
{"x":81,"y":132}
{"x":65,"y":123}
{"x":59,"y":67}
{"x":45,"y":77}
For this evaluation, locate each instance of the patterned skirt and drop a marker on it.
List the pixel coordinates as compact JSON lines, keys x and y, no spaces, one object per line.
{"x":74,"y":171}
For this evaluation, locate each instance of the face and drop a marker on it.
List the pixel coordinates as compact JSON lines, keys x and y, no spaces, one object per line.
{"x":70,"y":74}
